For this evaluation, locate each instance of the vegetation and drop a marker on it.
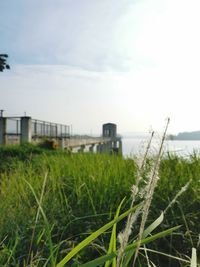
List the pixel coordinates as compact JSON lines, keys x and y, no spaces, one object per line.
{"x":195,"y":135}
{"x":50,"y":201}
{"x":3,"y":63}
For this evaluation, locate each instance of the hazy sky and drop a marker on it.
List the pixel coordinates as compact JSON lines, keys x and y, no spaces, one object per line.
{"x":88,"y":62}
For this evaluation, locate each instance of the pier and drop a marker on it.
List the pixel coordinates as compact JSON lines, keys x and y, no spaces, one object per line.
{"x":20,"y":130}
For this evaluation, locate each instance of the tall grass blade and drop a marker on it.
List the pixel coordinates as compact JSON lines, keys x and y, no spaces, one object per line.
{"x":37,"y":217}
{"x":12,"y":251}
{"x":146,"y":232}
{"x":99,"y":261}
{"x":151,"y":187}
{"x":124,"y":235}
{"x":153,"y":226}
{"x":152,"y":238}
{"x":167,"y":255}
{"x":194,"y":258}
{"x":131,"y":247}
{"x":46,"y":224}
{"x":93,"y":236}
{"x":113,"y":239}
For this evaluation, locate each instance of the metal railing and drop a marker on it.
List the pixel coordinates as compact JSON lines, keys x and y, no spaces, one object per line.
{"x":13,"y":130}
{"x":49,"y":129}
{"x":13,"y":126}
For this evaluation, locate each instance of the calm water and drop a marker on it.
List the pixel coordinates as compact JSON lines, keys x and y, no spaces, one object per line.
{"x":135,"y":146}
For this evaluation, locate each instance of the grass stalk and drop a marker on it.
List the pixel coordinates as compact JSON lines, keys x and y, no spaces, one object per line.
{"x":123,"y":237}
{"x":37,"y":216}
{"x":48,"y":228}
{"x":150,"y":190}
{"x":93,"y":236}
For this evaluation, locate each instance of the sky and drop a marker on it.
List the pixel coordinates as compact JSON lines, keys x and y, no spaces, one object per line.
{"x":88,"y":62}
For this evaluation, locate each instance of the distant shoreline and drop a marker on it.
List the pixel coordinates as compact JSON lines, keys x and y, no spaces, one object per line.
{"x":186,"y":136}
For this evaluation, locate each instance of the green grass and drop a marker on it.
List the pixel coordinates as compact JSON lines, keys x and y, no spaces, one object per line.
{"x":81,"y":194}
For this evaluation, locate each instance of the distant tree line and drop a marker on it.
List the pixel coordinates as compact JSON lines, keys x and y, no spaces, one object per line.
{"x":195,"y":135}
{"x":3,"y":62}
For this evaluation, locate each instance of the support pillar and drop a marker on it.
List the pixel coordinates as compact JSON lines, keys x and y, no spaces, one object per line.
{"x":26,"y":130}
{"x":106,"y":147}
{"x":109,"y":147}
{"x":3,"y":138}
{"x":62,"y":143}
{"x":81,"y":149}
{"x":120,"y":147}
{"x":91,"y":148}
{"x":99,"y":148}
{"x":115,"y":144}
{"x":103,"y":147}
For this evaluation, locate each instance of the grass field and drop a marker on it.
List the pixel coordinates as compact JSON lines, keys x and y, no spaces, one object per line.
{"x":78,"y":193}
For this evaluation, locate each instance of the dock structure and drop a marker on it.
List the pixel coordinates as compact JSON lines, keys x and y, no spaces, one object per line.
{"x":20,"y":130}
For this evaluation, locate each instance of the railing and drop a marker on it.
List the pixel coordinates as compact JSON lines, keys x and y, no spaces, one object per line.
{"x":21,"y":130}
{"x":13,"y":130}
{"x":49,"y":129}
{"x":13,"y":126}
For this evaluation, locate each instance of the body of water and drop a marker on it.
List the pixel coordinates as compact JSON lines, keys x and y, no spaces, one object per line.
{"x":135,"y":146}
